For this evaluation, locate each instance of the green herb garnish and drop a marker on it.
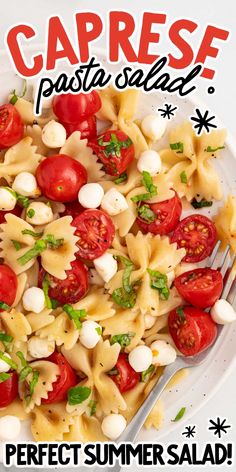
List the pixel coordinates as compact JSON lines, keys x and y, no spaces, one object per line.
{"x":6,"y":339}
{"x":203,"y":203}
{"x":17,"y":245}
{"x":180,"y":313}
{"x":45,"y":287}
{"x":77,"y":395}
{"x":26,"y":368}
{"x":30,"y":213}
{"x":93,"y":407}
{"x":125,"y":296}
{"x":8,"y":361}
{"x":123,"y":339}
{"x":22,"y":200}
{"x":113,"y":146}
{"x":15,"y":97}
{"x":99,"y":330}
{"x":179,"y":415}
{"x":122,"y":178}
{"x":40,"y":246}
{"x":159,"y":282}
{"x":32,"y":233}
{"x":183,"y":177}
{"x":146,"y":213}
{"x":31,"y":385}
{"x":74,"y":315}
{"x":4,"y":306}
{"x":4,"y":377}
{"x":150,"y":187}
{"x":211,"y":149}
{"x":146,"y":373}
{"x":177,"y":147}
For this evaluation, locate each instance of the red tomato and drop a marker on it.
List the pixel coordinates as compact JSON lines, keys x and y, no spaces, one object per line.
{"x":167,"y":215}
{"x":115,"y":150}
{"x":197,"y":235}
{"x":8,"y":285}
{"x":87,"y":128}
{"x":73,"y":209}
{"x":127,"y":378}
{"x":65,"y":381}
{"x":60,"y":177}
{"x":192,"y":330}
{"x":70,"y":290}
{"x":11,"y":126}
{"x":73,"y":108}
{"x":9,"y":390}
{"x":200,"y":287}
{"x":95,"y":231}
{"x":16,"y":211}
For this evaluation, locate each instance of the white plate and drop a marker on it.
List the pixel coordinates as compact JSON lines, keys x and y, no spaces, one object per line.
{"x":202,"y":381}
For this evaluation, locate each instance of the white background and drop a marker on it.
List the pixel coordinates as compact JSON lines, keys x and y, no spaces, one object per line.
{"x":217,"y":12}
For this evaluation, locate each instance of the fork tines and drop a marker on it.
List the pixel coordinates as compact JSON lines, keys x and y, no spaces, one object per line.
{"x":224,"y":262}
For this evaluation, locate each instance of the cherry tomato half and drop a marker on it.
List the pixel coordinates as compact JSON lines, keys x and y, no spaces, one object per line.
{"x":73,"y":108}
{"x":65,"y":381}
{"x":70,"y":290}
{"x":8,"y":390}
{"x":8,"y":285}
{"x":192,"y":330}
{"x":96,"y":232}
{"x":16,"y":211}
{"x":127,"y":378}
{"x":167,"y":216}
{"x":60,"y":177}
{"x":87,"y":128}
{"x":200,"y":287}
{"x":11,"y":126}
{"x":115,"y":150}
{"x":197,"y":235}
{"x":73,"y":209}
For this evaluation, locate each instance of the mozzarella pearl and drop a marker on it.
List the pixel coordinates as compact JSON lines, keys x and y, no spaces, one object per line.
{"x":90,"y":334}
{"x":25,"y":184}
{"x":7,"y":199}
{"x":170,"y":277}
{"x":140,"y":358}
{"x":95,"y":279}
{"x":10,"y":427}
{"x":149,"y":161}
{"x":114,"y":202}
{"x":149,"y":321}
{"x":90,"y":195}
{"x":163,"y":353}
{"x":153,"y":126}
{"x":113,"y":425}
{"x":222,"y":312}
{"x":43,"y":213}
{"x":106,"y":266}
{"x":4,"y":367}
{"x":54,"y":134}
{"x":33,"y":299}
{"x":39,"y":348}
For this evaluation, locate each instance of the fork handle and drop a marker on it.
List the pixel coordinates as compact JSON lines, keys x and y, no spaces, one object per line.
{"x":138,"y":420}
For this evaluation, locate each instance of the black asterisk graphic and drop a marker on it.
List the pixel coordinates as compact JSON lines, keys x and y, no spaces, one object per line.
{"x":167,"y":111}
{"x":219,"y":426}
{"x":203,"y":121}
{"x":189,"y":432}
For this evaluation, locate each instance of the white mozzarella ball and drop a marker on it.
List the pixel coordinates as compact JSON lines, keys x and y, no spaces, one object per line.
{"x":10,"y":427}
{"x":162,"y":353}
{"x":106,"y":266}
{"x":4,"y":366}
{"x":91,"y":195}
{"x":113,"y":425}
{"x":114,"y":202}
{"x":153,"y":126}
{"x":95,"y":279}
{"x":140,"y":358}
{"x":7,"y":199}
{"x":170,"y":277}
{"x":39,"y":213}
{"x":90,"y":334}
{"x":149,"y":321}
{"x":25,"y":183}
{"x":184,"y":267}
{"x":222,"y":312}
{"x":149,"y":161}
{"x":33,"y":299}
{"x":54,"y":134}
{"x":40,"y":348}
{"x":45,"y":102}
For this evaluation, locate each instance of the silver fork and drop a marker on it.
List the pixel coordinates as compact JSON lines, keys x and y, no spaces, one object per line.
{"x":224,"y":263}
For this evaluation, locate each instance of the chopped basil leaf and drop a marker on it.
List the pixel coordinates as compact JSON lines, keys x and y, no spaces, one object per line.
{"x":122,"y":178}
{"x":183,"y":177}
{"x":123,"y":339}
{"x":6,"y":339}
{"x":15,"y":97}
{"x":45,"y":287}
{"x":17,"y":245}
{"x":40,"y":246}
{"x":99,"y":330}
{"x":203,"y":203}
{"x":146,"y":373}
{"x":211,"y":149}
{"x":8,"y":361}
{"x":113,"y":146}
{"x":93,"y":407}
{"x":31,"y":385}
{"x":32,"y":233}
{"x":4,"y":377}
{"x":52,"y":242}
{"x":4,"y":306}
{"x":24,"y":201}
{"x":24,"y":362}
{"x":77,"y":395}
{"x":24,"y":373}
{"x":30,"y":213}
{"x":179,"y":415}
{"x":125,"y":296}
{"x":177,"y":147}
{"x":159,"y":282}
{"x":180,"y":313}
{"x":74,"y":315}
{"x":150,"y":187}
{"x":146,"y":213}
